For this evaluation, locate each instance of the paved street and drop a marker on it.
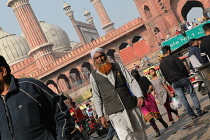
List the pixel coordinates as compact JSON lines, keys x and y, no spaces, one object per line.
{"x":179,"y":131}
{"x":184,"y":128}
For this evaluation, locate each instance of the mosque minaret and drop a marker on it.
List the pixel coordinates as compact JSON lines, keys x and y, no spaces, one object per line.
{"x":107,"y":25}
{"x":40,"y":49}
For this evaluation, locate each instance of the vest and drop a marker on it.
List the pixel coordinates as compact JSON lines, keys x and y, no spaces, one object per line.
{"x":116,"y":97}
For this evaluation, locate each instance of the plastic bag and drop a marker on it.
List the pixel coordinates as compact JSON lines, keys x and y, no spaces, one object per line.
{"x":175,"y":103}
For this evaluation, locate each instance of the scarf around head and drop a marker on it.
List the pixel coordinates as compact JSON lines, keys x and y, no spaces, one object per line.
{"x":92,"y":53}
{"x":143,"y":82}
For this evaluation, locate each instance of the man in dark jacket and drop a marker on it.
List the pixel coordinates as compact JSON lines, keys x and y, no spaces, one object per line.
{"x":30,"y":110}
{"x":205,"y":44}
{"x":195,"y":54}
{"x":177,"y":75}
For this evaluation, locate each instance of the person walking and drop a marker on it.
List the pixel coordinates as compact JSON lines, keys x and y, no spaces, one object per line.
{"x":205,"y":43}
{"x":79,"y":117}
{"x":160,"y":57}
{"x":111,"y":132}
{"x":195,"y":54}
{"x":177,"y":32}
{"x":30,"y":110}
{"x":176,"y":74}
{"x":89,"y":111}
{"x":110,"y":82}
{"x":149,"y":109}
{"x":163,"y":94}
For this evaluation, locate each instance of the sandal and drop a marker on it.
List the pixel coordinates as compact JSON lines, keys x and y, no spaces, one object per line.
{"x":157,"y":134}
{"x":177,"y":116}
{"x":172,"y":122}
{"x":202,"y":113}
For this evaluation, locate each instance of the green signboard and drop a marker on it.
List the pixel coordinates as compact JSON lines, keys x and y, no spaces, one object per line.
{"x":180,"y":40}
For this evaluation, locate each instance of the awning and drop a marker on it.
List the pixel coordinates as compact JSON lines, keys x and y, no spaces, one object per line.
{"x":146,"y":71}
{"x":180,"y":40}
{"x":80,"y":99}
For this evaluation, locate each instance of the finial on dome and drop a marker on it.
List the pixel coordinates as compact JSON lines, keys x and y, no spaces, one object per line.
{"x":66,"y":6}
{"x":88,"y":17}
{"x":86,"y":12}
{"x":69,"y":12}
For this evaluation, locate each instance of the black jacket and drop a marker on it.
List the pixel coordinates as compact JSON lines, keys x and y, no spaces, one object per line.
{"x":205,"y":45}
{"x":173,"y":69}
{"x":205,"y":48}
{"x":31,"y":111}
{"x":195,"y":50}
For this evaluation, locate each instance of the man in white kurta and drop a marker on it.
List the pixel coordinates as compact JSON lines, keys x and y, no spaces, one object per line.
{"x":128,"y":123}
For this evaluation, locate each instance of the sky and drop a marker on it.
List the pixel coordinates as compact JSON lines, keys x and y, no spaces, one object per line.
{"x":51,"y":11}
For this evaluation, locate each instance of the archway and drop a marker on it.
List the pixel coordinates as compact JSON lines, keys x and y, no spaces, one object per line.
{"x":136,"y":39}
{"x":191,"y":15}
{"x":75,"y":77}
{"x":87,"y":68}
{"x":123,"y":46}
{"x":158,"y":34}
{"x":63,"y":83}
{"x":111,"y":53}
{"x":175,"y":6}
{"x":147,"y":12}
{"x":126,"y":53}
{"x":53,"y":86}
{"x":188,"y":6}
{"x":139,"y":46}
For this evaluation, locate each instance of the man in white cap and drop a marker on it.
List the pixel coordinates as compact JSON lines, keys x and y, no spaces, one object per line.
{"x":111,"y":87}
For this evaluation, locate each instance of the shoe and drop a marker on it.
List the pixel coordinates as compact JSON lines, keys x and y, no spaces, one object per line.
{"x":165,"y":125}
{"x":172,"y":122}
{"x":194,"y":117}
{"x":157,"y":134}
{"x":177,"y":116}
{"x":202,"y":113}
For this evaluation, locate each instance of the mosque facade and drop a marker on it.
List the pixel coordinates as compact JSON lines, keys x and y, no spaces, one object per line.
{"x":45,"y":52}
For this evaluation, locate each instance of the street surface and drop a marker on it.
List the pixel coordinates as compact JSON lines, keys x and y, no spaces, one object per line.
{"x":184,"y":128}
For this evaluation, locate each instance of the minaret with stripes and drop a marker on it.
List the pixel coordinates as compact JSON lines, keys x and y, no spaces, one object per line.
{"x":40,"y":49}
{"x":107,"y":25}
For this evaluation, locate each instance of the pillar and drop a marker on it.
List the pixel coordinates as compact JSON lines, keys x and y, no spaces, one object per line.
{"x":107,"y":25}
{"x":40,"y":49}
{"x":70,"y":14}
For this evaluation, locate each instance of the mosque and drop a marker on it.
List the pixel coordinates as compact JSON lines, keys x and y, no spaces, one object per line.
{"x":45,"y":52}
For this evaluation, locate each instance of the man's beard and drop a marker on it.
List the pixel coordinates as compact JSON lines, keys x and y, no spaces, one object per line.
{"x":104,"y":68}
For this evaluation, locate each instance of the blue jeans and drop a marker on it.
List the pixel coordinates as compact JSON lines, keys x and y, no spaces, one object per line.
{"x":111,"y":132}
{"x":179,"y":87}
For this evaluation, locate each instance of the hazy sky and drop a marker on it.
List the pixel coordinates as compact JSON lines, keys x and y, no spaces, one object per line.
{"x":51,"y":11}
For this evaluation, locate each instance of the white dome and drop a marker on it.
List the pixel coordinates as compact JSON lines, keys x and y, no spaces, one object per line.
{"x":13,"y":48}
{"x":56,"y":36}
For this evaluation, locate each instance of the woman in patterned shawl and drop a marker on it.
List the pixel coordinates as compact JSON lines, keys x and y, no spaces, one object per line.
{"x":149,"y":109}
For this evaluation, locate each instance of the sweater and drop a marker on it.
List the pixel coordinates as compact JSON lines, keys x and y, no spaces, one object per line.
{"x":173,"y":69}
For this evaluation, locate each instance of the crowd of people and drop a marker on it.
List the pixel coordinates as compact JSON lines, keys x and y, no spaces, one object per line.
{"x":122,"y":101}
{"x":115,"y":90}
{"x":143,"y":61}
{"x":187,"y":25}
